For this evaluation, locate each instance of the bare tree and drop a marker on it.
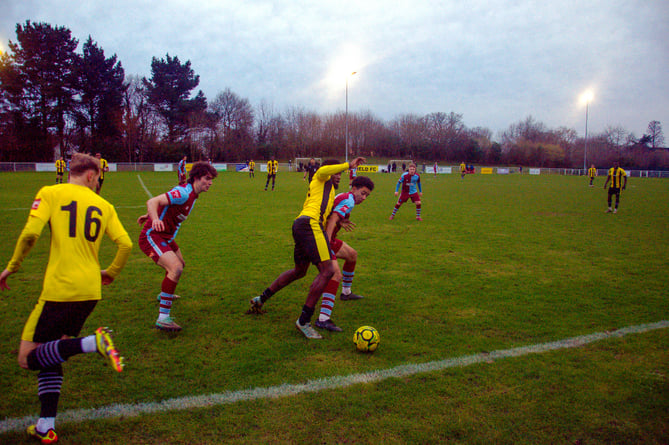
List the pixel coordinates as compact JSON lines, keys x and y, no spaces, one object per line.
{"x":655,"y":134}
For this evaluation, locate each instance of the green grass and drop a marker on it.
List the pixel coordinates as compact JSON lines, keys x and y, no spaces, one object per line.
{"x":498,"y":262}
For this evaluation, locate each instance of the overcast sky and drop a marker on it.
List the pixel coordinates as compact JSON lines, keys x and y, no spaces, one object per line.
{"x":494,"y":62}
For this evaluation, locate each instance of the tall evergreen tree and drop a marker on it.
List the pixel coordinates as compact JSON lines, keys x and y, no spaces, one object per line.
{"x":169,"y":91}
{"x":102,"y":91}
{"x":44,"y":61}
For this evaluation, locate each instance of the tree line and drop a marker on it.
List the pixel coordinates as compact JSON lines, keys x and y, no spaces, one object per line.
{"x":55,"y":101}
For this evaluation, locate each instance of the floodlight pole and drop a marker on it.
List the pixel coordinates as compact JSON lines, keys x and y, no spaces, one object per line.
{"x":346,"y":115}
{"x":585,"y":147}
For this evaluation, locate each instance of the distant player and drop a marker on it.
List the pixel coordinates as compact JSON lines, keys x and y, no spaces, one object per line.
{"x":104,"y":167}
{"x":272,"y":168}
{"x":311,"y":244}
{"x":78,"y":219}
{"x":618,"y":180}
{"x":252,"y":167}
{"x":463,"y":170}
{"x":60,"y":170}
{"x":164,"y":216}
{"x":309,"y":170}
{"x":410,"y":184}
{"x":436,"y":167}
{"x":361,"y":187}
{"x":181,"y":171}
{"x":592,"y":173}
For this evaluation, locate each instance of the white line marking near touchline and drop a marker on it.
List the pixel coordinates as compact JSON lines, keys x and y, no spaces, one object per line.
{"x":205,"y":401}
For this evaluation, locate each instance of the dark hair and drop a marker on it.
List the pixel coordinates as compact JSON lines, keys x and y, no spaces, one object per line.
{"x":200,"y":169}
{"x":362,"y":181}
{"x":330,"y":162}
{"x":81,"y":163}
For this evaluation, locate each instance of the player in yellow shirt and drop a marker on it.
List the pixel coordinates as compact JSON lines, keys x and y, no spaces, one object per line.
{"x":618,"y":179}
{"x":78,"y":218}
{"x":60,"y":170}
{"x":272,"y":168}
{"x":463,"y":170}
{"x":252,"y":168}
{"x":311,"y":244}
{"x":592,"y":173}
{"x":104,"y":167}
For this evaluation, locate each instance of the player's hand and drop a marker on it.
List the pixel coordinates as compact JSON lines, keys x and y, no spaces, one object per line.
{"x":623,"y":187}
{"x":347,"y":225}
{"x":3,"y":279}
{"x":106,"y":279}
{"x":397,"y":193}
{"x":142,"y":219}
{"x":157,"y":225}
{"x":357,"y":161}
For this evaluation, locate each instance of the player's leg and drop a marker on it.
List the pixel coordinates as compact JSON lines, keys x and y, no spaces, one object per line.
{"x":610,"y":195}
{"x":267,"y":182}
{"x":416,"y":199}
{"x":399,"y":202}
{"x":350,"y":257}
{"x":617,"y":201}
{"x":46,"y":343}
{"x":172,"y":262}
{"x":328,"y":300}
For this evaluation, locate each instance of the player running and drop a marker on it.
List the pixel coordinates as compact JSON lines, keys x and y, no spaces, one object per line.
{"x":411,"y":188}
{"x":77,"y":218}
{"x":361,"y":187}
{"x":311,"y":244}
{"x":164,"y":216}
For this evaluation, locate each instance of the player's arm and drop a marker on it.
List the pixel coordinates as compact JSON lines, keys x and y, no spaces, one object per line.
{"x":607,"y":180}
{"x":399,"y":184}
{"x":27,"y":239}
{"x":420,"y":187}
{"x":625,"y":181}
{"x":152,"y":206}
{"x":331,"y":224}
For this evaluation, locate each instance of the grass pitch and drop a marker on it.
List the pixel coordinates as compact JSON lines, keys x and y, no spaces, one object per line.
{"x":498,"y":262}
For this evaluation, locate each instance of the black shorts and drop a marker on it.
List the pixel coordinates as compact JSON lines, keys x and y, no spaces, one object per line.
{"x":614,"y":191}
{"x":51,"y":320}
{"x":311,"y":244}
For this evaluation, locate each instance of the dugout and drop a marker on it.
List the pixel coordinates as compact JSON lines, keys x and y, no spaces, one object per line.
{"x":301,"y":163}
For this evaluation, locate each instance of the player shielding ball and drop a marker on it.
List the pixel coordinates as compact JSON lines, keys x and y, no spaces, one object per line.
{"x":77,"y":218}
{"x":311,"y":244}
{"x":361,"y":187}
{"x":409,"y":182}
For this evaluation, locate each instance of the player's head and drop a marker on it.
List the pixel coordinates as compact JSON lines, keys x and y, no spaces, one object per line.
{"x":201,"y":169}
{"x":616,"y":164}
{"x":412,"y":168}
{"x":201,"y":175}
{"x":312,"y":161}
{"x":361,"y":187}
{"x":85,"y":168}
{"x":98,"y":155}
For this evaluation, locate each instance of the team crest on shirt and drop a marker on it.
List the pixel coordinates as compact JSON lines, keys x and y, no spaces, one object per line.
{"x":175,"y":194}
{"x":36,"y":202}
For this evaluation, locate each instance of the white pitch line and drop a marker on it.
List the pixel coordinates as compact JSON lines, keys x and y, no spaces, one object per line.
{"x":285,"y":390}
{"x":144,"y":187}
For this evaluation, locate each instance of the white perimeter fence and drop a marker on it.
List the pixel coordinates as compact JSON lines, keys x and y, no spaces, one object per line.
{"x":284,"y":167}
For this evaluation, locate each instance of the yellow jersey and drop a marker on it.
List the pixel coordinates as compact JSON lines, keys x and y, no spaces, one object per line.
{"x":252,"y":165}
{"x":103,"y":167}
{"x":272,"y":167}
{"x":78,"y":218}
{"x":463,"y":167}
{"x":616,"y":177}
{"x":60,"y":166}
{"x":592,"y":172}
{"x":320,"y":195}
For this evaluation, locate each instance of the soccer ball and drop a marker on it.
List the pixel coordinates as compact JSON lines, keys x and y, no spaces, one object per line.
{"x":366,"y":339}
